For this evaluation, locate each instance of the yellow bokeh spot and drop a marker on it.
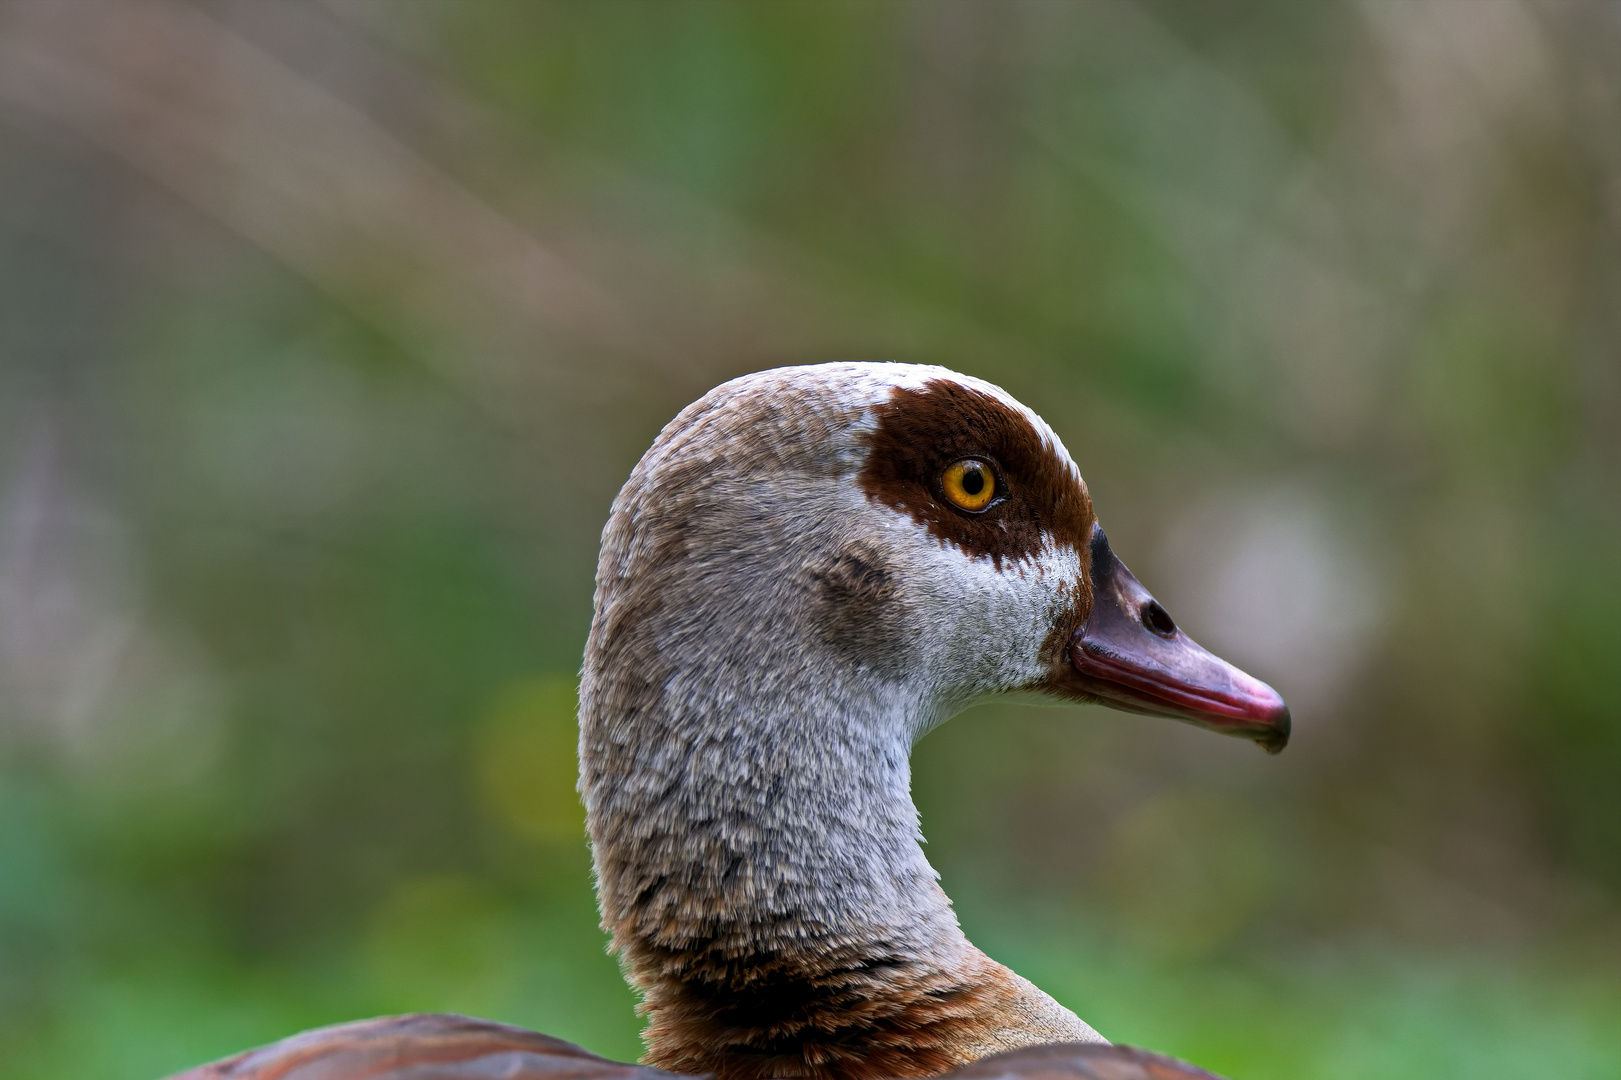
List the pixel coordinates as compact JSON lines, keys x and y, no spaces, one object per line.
{"x":524,"y":761}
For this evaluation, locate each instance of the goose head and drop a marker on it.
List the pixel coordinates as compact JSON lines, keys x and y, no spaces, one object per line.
{"x":810,"y":569}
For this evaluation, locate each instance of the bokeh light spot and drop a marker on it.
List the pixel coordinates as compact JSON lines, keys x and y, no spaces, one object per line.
{"x":524,"y":762}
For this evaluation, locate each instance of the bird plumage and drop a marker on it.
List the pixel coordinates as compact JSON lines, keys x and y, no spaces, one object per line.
{"x":790,"y":593}
{"x":440,"y":1046}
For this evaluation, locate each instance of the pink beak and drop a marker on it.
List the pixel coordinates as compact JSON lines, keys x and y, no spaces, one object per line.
{"x":1131,"y":656}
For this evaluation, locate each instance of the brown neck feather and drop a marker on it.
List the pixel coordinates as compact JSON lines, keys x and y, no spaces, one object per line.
{"x":817,"y":1012}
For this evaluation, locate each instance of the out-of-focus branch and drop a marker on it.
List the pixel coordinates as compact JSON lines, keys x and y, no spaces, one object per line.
{"x":297,"y":170}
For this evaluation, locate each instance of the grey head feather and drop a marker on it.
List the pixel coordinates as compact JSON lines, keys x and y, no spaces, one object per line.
{"x":768,"y":643}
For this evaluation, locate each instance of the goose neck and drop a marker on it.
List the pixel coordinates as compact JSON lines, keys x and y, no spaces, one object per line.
{"x":764,"y":819}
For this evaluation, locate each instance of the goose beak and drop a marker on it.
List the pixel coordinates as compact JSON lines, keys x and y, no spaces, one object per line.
{"x":1131,"y":656}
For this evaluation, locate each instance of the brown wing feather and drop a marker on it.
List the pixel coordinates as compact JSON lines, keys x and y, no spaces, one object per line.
{"x":436,"y":1046}
{"x":421,"y":1046}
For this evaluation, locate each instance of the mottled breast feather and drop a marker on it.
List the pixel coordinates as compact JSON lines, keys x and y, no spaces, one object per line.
{"x":436,"y":1046}
{"x":921,"y":431}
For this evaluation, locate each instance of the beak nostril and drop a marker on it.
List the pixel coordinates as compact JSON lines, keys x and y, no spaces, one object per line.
{"x":1158,"y":619}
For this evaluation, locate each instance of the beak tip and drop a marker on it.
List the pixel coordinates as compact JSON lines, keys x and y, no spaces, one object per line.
{"x":1276,"y":737}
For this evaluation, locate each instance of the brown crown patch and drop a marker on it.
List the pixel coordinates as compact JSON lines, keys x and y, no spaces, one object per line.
{"x":920,"y":432}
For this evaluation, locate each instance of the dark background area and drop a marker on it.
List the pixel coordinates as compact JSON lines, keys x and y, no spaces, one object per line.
{"x":328,"y":330}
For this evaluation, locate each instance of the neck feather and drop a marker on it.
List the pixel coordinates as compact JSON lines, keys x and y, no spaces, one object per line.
{"x":759,"y":867}
{"x":747,"y":706}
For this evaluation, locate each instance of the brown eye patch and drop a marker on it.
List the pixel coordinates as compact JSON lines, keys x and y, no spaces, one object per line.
{"x":922,"y":433}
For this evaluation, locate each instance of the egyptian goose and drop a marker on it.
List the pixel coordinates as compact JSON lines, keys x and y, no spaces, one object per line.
{"x":811,"y":568}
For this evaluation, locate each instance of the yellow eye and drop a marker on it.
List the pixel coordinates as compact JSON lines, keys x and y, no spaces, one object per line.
{"x":970,"y":484}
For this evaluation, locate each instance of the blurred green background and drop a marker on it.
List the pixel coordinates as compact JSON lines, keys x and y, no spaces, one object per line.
{"x":328,"y":330}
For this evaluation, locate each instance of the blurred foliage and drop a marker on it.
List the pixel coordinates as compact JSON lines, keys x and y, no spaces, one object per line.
{"x":329,"y":329}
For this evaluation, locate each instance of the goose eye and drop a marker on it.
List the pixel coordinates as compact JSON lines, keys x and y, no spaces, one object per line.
{"x":970,"y":484}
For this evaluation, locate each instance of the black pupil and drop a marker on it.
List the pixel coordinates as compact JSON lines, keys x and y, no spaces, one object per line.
{"x":973,"y":481}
